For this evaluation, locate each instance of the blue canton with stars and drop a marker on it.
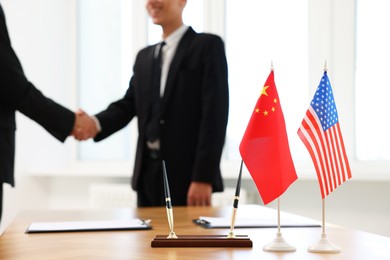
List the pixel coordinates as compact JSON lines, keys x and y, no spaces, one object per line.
{"x":324,"y":105}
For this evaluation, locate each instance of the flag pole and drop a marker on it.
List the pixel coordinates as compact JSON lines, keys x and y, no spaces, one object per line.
{"x":323,"y":216}
{"x":279,"y":216}
{"x":279,"y":244}
{"x":324,"y":245}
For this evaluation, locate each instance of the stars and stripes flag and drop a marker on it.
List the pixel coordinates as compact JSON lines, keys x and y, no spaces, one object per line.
{"x":264,"y":147}
{"x":320,"y":132}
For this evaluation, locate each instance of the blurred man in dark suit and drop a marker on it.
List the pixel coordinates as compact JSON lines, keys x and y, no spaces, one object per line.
{"x":181,"y":102}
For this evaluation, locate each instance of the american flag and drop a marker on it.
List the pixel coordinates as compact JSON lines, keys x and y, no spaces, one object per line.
{"x":321,"y":134}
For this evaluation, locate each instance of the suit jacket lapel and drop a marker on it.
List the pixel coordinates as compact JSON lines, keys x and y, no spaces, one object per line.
{"x":175,"y":65}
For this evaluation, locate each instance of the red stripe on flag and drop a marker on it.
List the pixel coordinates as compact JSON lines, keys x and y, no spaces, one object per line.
{"x":330,"y":155}
{"x":343,"y":156}
{"x":324,"y":151}
{"x":327,"y":151}
{"x":313,"y":142}
{"x":312,"y":151}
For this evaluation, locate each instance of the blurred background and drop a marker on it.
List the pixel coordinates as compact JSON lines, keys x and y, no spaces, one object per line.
{"x":81,"y":53}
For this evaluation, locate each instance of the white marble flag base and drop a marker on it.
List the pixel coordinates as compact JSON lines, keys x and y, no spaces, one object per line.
{"x":279,"y":245}
{"x":324,"y":246}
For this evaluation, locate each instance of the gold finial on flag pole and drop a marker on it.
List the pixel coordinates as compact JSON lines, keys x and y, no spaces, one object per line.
{"x":325,"y":68}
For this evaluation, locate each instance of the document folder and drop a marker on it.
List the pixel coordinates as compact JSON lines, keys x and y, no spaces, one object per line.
{"x":260,"y":217}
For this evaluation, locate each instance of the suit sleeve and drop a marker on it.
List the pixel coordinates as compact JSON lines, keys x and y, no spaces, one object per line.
{"x":117,"y":115}
{"x":215,"y":106}
{"x":17,"y":93}
{"x":55,"y":118}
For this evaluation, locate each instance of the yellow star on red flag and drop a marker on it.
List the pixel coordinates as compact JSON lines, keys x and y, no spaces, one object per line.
{"x":264,"y":91}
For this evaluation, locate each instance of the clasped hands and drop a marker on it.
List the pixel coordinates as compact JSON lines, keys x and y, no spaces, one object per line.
{"x":85,"y":126}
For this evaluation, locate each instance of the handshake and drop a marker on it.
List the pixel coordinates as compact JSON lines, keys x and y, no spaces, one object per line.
{"x":85,"y":126}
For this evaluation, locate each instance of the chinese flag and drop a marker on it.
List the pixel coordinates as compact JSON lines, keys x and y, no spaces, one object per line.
{"x":264,"y":147}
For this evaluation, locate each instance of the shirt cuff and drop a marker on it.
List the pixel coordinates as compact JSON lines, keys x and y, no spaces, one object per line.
{"x":97,"y":123}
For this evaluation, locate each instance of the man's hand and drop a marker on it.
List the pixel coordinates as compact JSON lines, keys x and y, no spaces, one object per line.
{"x":199,"y":194}
{"x":84,"y":127}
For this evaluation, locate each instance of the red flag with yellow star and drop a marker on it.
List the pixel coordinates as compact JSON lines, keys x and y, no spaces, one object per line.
{"x":264,"y":147}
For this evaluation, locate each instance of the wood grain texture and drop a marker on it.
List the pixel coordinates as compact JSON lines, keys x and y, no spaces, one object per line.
{"x":16,"y":244}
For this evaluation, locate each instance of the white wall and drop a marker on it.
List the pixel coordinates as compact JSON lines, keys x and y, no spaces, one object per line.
{"x":44,"y":37}
{"x":43,"y":33}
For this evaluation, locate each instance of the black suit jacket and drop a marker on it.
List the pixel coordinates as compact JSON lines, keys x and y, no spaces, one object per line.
{"x":17,"y":93}
{"x":194,"y":110}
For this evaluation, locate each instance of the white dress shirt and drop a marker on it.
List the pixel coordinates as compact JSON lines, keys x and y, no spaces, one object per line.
{"x":169,"y":50}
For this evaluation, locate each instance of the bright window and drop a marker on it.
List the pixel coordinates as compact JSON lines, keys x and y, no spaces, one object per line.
{"x":105,"y":67}
{"x":372,"y":87}
{"x":259,"y":33}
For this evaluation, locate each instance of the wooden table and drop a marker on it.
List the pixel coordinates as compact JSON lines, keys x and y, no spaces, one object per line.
{"x":16,"y":244}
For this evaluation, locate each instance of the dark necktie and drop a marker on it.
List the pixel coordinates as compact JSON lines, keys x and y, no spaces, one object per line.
{"x":152,"y":129}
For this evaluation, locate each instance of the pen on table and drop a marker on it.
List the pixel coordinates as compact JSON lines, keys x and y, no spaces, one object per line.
{"x":235,"y":203}
{"x":168,"y":202}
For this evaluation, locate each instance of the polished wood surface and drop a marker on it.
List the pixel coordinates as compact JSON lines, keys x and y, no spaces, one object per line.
{"x":16,"y":244}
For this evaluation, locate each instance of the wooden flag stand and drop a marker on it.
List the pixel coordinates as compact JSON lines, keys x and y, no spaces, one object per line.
{"x":172,"y":240}
{"x":202,"y":241}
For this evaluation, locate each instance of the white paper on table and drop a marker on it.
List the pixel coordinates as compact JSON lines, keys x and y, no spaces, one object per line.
{"x":132,"y":224}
